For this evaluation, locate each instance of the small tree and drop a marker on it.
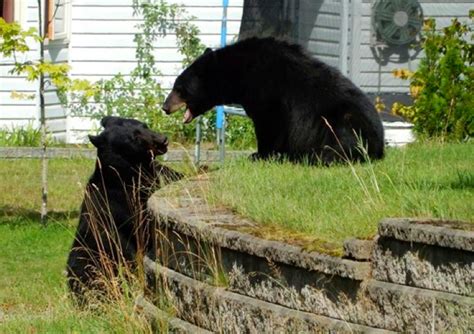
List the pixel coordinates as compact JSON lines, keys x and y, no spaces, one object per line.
{"x":13,"y":41}
{"x":442,"y":87}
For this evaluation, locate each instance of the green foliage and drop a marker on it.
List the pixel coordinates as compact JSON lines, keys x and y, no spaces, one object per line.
{"x":240,"y":133}
{"x":13,"y":38}
{"x":443,"y":85}
{"x":189,"y":45}
{"x":27,"y":136}
{"x":140,"y":94}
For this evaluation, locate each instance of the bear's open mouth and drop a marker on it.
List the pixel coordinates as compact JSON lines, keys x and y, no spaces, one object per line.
{"x":188,"y":116}
{"x":174,"y":102}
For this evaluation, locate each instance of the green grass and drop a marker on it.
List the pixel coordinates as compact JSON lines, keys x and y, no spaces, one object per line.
{"x":20,"y":188}
{"x":320,"y":207}
{"x":33,"y":294}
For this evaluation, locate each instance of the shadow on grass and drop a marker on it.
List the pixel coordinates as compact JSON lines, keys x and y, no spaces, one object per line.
{"x":462,"y":181}
{"x":15,"y":215}
{"x":465,"y":180}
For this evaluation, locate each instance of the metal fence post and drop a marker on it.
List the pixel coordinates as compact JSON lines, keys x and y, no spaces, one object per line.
{"x":220,"y":117}
{"x":197,"y":146}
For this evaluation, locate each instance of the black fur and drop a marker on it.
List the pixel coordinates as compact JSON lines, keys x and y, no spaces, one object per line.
{"x":300,"y":106}
{"x":111,"y":226}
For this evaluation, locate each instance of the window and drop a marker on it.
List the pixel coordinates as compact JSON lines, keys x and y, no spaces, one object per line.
{"x":6,"y":10}
{"x":13,"y":10}
{"x":57,"y":14}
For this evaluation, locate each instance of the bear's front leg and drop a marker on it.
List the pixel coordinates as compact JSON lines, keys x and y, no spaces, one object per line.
{"x":269,"y":137}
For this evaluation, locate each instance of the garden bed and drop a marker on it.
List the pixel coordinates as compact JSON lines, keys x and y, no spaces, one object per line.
{"x":324,"y":206}
{"x":219,"y":277}
{"x":262,"y":245}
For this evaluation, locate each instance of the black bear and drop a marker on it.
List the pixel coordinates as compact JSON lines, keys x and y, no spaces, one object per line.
{"x":111,"y":226}
{"x":301,"y":107}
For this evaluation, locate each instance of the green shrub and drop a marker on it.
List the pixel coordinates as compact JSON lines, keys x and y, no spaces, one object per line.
{"x":240,"y":133}
{"x":442,"y":87}
{"x":140,"y":95}
{"x":26,"y":136}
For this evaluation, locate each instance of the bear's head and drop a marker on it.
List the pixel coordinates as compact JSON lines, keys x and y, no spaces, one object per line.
{"x":129,"y":139}
{"x":194,"y":88}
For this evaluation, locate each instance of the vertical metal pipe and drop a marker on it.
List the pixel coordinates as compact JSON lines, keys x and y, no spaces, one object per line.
{"x":197,"y":144}
{"x":44,"y":158}
{"x":344,"y":37}
{"x":220,"y":116}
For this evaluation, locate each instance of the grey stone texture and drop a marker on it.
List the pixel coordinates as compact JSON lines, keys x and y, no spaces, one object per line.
{"x":219,"y":310}
{"x":413,"y":310}
{"x":425,"y":266}
{"x":436,"y":232}
{"x":387,"y":283}
{"x":165,"y":322}
{"x":360,"y":250}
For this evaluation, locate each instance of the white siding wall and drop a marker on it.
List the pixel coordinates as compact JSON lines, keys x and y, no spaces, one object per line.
{"x":102,"y":44}
{"x":56,"y":52}
{"x":365,"y":71}
{"x":14,"y":111}
{"x":320,"y":29}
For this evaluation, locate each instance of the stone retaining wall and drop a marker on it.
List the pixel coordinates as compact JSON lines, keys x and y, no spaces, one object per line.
{"x":207,"y":156}
{"x":416,"y":276}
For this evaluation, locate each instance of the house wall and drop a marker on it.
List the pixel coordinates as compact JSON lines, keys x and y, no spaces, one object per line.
{"x":16,"y":111}
{"x":23,"y":112}
{"x":365,"y":71}
{"x":97,"y":53}
{"x":320,"y":29}
{"x":101,"y":44}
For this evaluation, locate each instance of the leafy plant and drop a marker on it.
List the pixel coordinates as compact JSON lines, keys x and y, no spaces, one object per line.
{"x":141,"y":95}
{"x":240,"y":133}
{"x":13,"y":41}
{"x":14,"y":38}
{"x":442,"y":85}
{"x":20,"y":136}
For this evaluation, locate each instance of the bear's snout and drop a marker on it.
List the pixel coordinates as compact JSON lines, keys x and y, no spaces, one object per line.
{"x":160,"y":144}
{"x":172,"y":103}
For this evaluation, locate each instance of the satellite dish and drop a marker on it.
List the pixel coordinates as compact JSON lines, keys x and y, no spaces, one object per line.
{"x":397,"y":22}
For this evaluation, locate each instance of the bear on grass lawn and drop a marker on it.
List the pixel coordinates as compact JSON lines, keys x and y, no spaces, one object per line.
{"x":112,"y":225}
{"x":301,"y":107}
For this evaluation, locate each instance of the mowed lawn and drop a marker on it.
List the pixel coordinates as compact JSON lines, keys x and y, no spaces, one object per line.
{"x":33,"y":294}
{"x":320,"y":207}
{"x":315,"y":206}
{"x":33,"y":257}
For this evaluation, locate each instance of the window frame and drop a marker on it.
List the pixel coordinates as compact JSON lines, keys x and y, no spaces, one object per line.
{"x":51,"y":33}
{"x":18,"y":11}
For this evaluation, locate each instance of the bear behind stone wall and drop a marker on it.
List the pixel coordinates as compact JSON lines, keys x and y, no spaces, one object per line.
{"x":112,"y":226}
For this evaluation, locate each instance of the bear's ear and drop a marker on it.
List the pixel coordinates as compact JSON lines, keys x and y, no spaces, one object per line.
{"x":208,"y":50}
{"x":110,"y":120}
{"x":97,"y":141}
